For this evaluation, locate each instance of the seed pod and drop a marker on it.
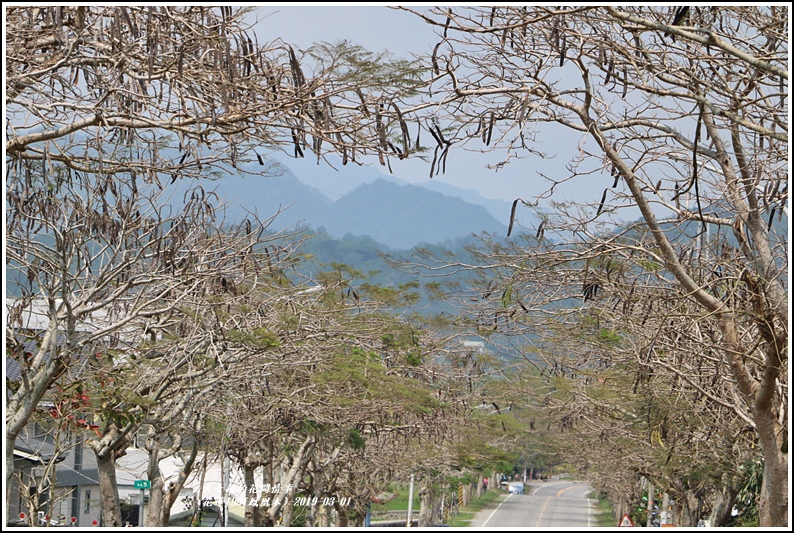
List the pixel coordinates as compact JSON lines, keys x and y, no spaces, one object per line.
{"x":601,"y":205}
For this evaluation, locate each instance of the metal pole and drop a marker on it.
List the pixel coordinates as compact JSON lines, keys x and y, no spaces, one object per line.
{"x":663,"y":512}
{"x":140,"y":510}
{"x":226,"y":475}
{"x":410,"y":502}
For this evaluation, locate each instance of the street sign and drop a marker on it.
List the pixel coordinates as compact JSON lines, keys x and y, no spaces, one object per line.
{"x":626,"y":521}
{"x":73,"y":519}
{"x":142,"y":484}
{"x":22,"y":516}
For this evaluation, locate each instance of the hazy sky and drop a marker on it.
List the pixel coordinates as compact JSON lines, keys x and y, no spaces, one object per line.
{"x":378,"y":28}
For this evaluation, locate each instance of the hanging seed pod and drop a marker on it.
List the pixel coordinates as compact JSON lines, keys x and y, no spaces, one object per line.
{"x":435,"y":136}
{"x":444,"y":160}
{"x":433,"y":164}
{"x":610,"y":65}
{"x":563,"y":48}
{"x":771,"y":217}
{"x":403,"y":128}
{"x":298,"y":151}
{"x":601,"y":205}
{"x":434,"y":58}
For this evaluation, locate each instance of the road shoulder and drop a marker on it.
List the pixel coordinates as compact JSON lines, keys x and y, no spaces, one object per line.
{"x":482,"y":516}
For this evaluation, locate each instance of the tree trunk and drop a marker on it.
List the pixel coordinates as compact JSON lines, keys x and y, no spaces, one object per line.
{"x":174,"y":488}
{"x":687,"y":508}
{"x":773,"y":501}
{"x":11,"y":438}
{"x":108,"y":490}
{"x":342,"y":518}
{"x":156,"y":497}
{"x":424,"y":507}
{"x":156,"y":494}
{"x":286,"y":511}
{"x":21,"y":406}
{"x":112,"y":445}
{"x":724,"y":501}
{"x":250,"y":496}
{"x":299,"y":462}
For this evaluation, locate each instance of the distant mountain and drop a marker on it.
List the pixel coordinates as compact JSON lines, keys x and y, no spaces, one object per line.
{"x":335,"y":182}
{"x":498,"y":208}
{"x":395,"y":214}
{"x":296,"y":202}
{"x":402,"y":216}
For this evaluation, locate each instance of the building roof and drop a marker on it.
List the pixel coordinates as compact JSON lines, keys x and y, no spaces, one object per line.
{"x":35,"y":450}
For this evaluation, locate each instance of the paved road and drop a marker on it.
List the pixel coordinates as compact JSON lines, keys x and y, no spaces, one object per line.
{"x":544,"y":504}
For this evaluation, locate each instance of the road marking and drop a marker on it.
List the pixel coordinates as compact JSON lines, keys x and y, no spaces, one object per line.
{"x":544,"y":508}
{"x":497,"y":508}
{"x":588,"y":513}
{"x":559,"y":493}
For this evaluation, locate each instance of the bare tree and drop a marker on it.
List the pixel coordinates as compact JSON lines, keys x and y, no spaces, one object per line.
{"x":683,"y":112}
{"x":107,"y":108}
{"x":338,"y":384}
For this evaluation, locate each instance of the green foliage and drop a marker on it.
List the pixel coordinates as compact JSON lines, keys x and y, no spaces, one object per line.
{"x":356,"y":376}
{"x":605,"y":517}
{"x":506,"y":297}
{"x":649,"y":266}
{"x":748,"y":497}
{"x":609,"y":337}
{"x":357,"y":65}
{"x":484,"y":457}
{"x":355,"y":439}
{"x":414,"y":358}
{"x":260,"y":338}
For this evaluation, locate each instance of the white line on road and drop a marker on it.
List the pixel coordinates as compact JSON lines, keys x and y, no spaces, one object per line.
{"x":497,"y":508}
{"x":544,"y":508}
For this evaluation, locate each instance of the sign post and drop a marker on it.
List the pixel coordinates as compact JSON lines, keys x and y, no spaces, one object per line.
{"x":142,"y":484}
{"x":410,"y":502}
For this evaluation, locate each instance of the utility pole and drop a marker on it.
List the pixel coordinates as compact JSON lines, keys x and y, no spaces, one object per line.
{"x":663,"y":512}
{"x":226,"y":466}
{"x":140,"y":509}
{"x":410,"y":502}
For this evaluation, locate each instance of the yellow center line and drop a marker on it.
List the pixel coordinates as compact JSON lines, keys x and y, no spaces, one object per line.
{"x":563,"y":490}
{"x":540,"y":515}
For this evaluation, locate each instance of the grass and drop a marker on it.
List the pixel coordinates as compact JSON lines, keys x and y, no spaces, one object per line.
{"x":465,"y":514}
{"x":604,"y":514}
{"x":399,"y":502}
{"x":462,"y":517}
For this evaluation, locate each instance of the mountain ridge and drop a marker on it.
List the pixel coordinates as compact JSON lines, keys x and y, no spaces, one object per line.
{"x":394,"y":213}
